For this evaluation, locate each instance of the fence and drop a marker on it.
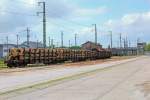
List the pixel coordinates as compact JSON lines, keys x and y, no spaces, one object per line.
{"x":147,"y":53}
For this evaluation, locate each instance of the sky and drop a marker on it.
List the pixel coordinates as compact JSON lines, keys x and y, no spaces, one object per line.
{"x":131,"y":18}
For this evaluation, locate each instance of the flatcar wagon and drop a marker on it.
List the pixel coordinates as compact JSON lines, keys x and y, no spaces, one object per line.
{"x":20,"y":57}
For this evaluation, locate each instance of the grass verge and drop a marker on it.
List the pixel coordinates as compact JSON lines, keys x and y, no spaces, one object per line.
{"x":2,"y":64}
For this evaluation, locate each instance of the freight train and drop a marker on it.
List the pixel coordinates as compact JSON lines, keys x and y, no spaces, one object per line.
{"x":21,"y":57}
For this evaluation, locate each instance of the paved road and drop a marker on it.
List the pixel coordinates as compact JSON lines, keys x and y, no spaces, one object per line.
{"x":121,"y":82}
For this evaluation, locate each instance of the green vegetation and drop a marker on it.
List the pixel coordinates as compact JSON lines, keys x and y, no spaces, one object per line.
{"x":75,"y":47}
{"x":2,"y":65}
{"x":147,"y":47}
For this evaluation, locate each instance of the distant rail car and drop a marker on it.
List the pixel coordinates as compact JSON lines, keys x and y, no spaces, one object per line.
{"x":20,"y":57}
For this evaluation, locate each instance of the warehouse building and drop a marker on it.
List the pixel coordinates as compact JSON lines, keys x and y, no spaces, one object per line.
{"x":32,"y":44}
{"x":91,"y":45}
{"x":4,"y":48}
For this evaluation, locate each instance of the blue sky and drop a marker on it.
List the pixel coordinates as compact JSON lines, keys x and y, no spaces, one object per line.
{"x":129,"y":17}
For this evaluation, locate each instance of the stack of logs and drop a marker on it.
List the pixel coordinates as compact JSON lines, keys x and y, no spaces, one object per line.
{"x":22,"y":56}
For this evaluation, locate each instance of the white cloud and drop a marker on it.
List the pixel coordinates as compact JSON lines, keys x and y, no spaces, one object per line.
{"x":136,"y":22}
{"x":132,"y":25}
{"x":62,"y":9}
{"x":15,"y":14}
{"x":85,"y":31}
{"x":90,"y":11}
{"x":86,"y":14}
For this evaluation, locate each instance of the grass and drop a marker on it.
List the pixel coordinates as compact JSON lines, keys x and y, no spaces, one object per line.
{"x":2,"y":64}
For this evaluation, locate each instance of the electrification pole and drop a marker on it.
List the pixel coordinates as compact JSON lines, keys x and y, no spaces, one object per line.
{"x":49,"y":42}
{"x":95,"y":28}
{"x":127,"y":42}
{"x":17,"y":40}
{"x":37,"y":44}
{"x":111,"y":40}
{"x":52,"y":45}
{"x":62,"y":39}
{"x":7,"y":46}
{"x":75,"y":39}
{"x":69,"y":44}
{"x":28,"y":37}
{"x":120,"y":40}
{"x":124,"y":43}
{"x":124,"y":46}
{"x":44,"y":22}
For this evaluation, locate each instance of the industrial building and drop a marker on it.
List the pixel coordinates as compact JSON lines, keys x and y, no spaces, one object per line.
{"x":4,"y":48}
{"x":31,"y":44}
{"x":91,"y":45}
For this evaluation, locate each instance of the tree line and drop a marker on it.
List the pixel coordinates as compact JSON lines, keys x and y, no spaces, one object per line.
{"x":147,"y":47}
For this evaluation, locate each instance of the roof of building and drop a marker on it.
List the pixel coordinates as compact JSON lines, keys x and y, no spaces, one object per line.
{"x":32,"y":44}
{"x":24,"y":45}
{"x":8,"y":45}
{"x":91,"y":43}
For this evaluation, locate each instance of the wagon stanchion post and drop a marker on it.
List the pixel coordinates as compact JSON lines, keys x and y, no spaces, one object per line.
{"x":29,"y":60}
{"x":55,"y":60}
{"x":44,"y":56}
{"x":17,"y":60}
{"x":74,"y":55}
{"x":35,"y":55}
{"x":70,"y":54}
{"x":63,"y":54}
{"x":24,"y":57}
{"x":52,"y":56}
{"x":39,"y":55}
{"x":48,"y":57}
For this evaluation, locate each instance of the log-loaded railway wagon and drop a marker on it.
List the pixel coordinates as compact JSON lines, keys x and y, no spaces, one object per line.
{"x":20,"y":57}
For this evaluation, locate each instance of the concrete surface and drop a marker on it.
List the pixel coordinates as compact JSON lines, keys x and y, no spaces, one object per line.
{"x":121,"y":82}
{"x":10,"y":81}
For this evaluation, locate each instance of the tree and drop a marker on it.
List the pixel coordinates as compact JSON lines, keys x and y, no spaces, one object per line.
{"x":75,"y":47}
{"x":147,"y":47}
